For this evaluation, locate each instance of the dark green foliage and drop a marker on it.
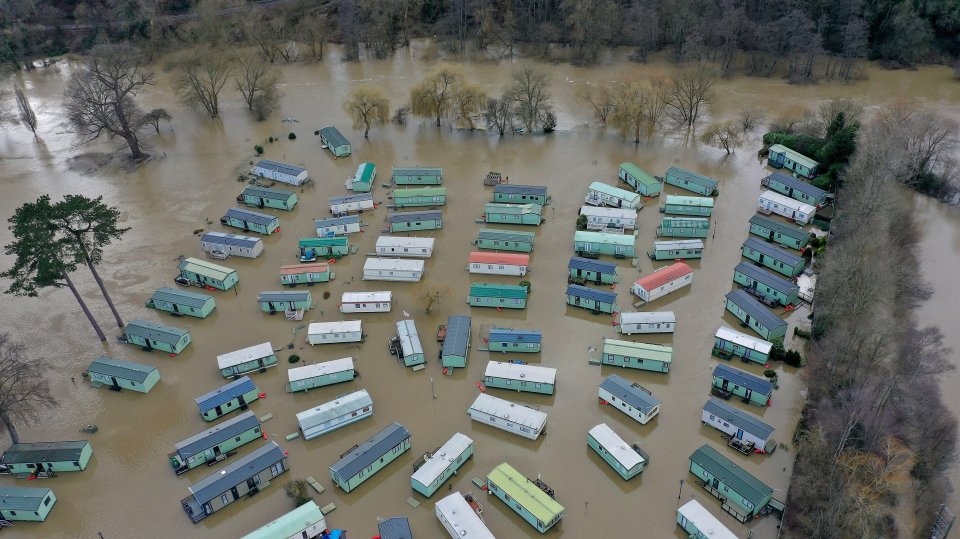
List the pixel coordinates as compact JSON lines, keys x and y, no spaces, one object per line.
{"x":833,"y":152}
{"x":770,"y":373}
{"x":292,"y":136}
{"x":36,"y":250}
{"x":777,"y":351}
{"x":259,"y":149}
{"x":293,"y":358}
{"x":793,"y":358}
{"x":549,"y":122}
{"x":270,"y":140}
{"x":526,"y":284}
{"x":317,"y":132}
{"x":582,"y":222}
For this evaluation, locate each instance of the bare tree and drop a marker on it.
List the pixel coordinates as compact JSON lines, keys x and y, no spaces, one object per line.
{"x":724,"y":135}
{"x":599,"y":98}
{"x":468,"y":104}
{"x":499,"y":114}
{"x":926,"y":138}
{"x":691,"y":92}
{"x":26,"y":113}
{"x":630,"y":103}
{"x":155,"y":116}
{"x":367,"y":107}
{"x":313,"y":31}
{"x":433,"y":96}
{"x":24,"y":392}
{"x":257,"y":82}
{"x":589,"y":22}
{"x":749,"y":120}
{"x":202,"y":74}
{"x":660,"y":87}
{"x":530,"y":92}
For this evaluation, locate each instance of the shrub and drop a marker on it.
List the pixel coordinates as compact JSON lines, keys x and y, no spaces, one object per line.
{"x":293,"y":358}
{"x":297,"y":489}
{"x":549,"y":122}
{"x":317,"y":132}
{"x":777,"y":351}
{"x":770,"y":373}
{"x":259,"y":149}
{"x":292,"y":136}
{"x":793,"y":358}
{"x":326,"y":294}
{"x":801,"y":333}
{"x":582,"y":222}
{"x":270,"y":139}
{"x":526,"y":284}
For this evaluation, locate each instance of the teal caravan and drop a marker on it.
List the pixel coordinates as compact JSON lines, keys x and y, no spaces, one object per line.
{"x":320,"y":374}
{"x":181,"y":302}
{"x":684,"y":205}
{"x":312,"y":249}
{"x":365,"y":460}
{"x":434,"y":469}
{"x":518,"y":377}
{"x":331,"y":139}
{"x":676,"y":250}
{"x":683,"y":227}
{"x":729,"y":343}
{"x":407,"y":221}
{"x":789,"y":236}
{"x":363,"y":179}
{"x":753,"y":314}
{"x":216,"y":443}
{"x":584,"y":270}
{"x":751,"y":389}
{"x":501,"y":296}
{"x":601,"y":194}
{"x":265,"y":197}
{"x":691,"y":181}
{"x":419,"y":196}
{"x":593,"y":244}
{"x":306,"y":522}
{"x":514,"y":340}
{"x":533,"y":501}
{"x":742,"y":495}
{"x":308,"y":274}
{"x":699,"y":523}
{"x":598,"y":301}
{"x":417,"y":175}
{"x":520,"y":194}
{"x":237,"y":395}
{"x":253,"y":358}
{"x":795,"y":188}
{"x":637,"y":355}
{"x":26,"y":504}
{"x":206,"y":274}
{"x":120,"y":374}
{"x":281,"y":172}
{"x":779,"y":156}
{"x":251,"y":221}
{"x":628,"y":460}
{"x":456,"y":343}
{"x":504,"y":240}
{"x":769,"y":288}
{"x":777,"y":259}
{"x":284,"y":300}
{"x":640,"y":180}
{"x":153,"y":336}
{"x":512,"y":214}
{"x":630,"y":398}
{"x":46,"y":457}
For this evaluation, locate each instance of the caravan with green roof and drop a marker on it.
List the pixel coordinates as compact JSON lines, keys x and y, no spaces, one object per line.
{"x":642,"y":181}
{"x":528,"y":499}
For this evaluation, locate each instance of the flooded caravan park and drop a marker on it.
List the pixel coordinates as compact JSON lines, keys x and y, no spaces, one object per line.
{"x":129,"y":489}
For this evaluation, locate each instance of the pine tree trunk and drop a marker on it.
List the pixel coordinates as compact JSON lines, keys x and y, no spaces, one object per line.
{"x":83,"y":305}
{"x":103,"y":290}
{"x":11,"y":428}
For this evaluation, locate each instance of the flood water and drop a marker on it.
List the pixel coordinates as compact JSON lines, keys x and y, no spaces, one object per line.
{"x":129,"y":489}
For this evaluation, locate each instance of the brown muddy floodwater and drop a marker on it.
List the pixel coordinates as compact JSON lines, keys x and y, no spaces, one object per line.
{"x":129,"y":490}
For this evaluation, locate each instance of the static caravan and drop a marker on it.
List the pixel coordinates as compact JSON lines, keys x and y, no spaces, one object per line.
{"x":419,"y":196}
{"x":312,"y":249}
{"x":207,"y":274}
{"x":601,"y":194}
{"x":630,"y":398}
{"x":216,"y":443}
{"x":504,"y":240}
{"x":779,"y":156}
{"x":273,"y":301}
{"x":153,"y":336}
{"x":281,"y":172}
{"x":774,"y":258}
{"x":515,"y":418}
{"x":320,"y":374}
{"x":528,"y":499}
{"x":637,"y":355}
{"x":501,"y":296}
{"x":528,"y":378}
{"x":514,"y":340}
{"x":751,"y":389}
{"x":417,"y":175}
{"x":520,"y":194}
{"x":344,"y":205}
{"x":392,"y":269}
{"x":265,"y":197}
{"x":304,"y":522}
{"x":691,"y":181}
{"x":394,"y":528}
{"x":181,"y":302}
{"x":363,"y":461}
{"x":593,"y":244}
{"x":441,"y":464}
{"x":335,"y":332}
{"x":363,"y":178}
{"x":26,"y":504}
{"x":684,"y":205}
{"x":626,"y":459}
{"x":49,"y":457}
{"x":795,"y":188}
{"x":585,"y":270}
{"x":640,"y":180}
{"x":366,"y":302}
{"x":247,"y":475}
{"x":683,"y":227}
{"x":700,"y":524}
{"x":406,"y":221}
{"x":330,"y":416}
{"x":251,"y":221}
{"x":221,"y":245}
{"x":498,"y":263}
{"x":786,"y":235}
{"x":663,"y":281}
{"x":237,"y":395}
{"x":333,"y":140}
{"x":773,"y":202}
{"x":741,"y":494}
{"x":308,"y":274}
{"x":737,"y":424}
{"x":411,"y":349}
{"x":647,"y":322}
{"x":337,"y":226}
{"x":120,"y":374}
{"x":404,"y":247}
{"x":771,"y":289}
{"x":615,"y":220}
{"x":676,"y":250}
{"x":754,"y":314}
{"x":456,"y":343}
{"x":512,"y":214}
{"x":459,"y":519}
{"x":727,"y":342}
{"x":598,"y":301}
{"x":253,"y":358}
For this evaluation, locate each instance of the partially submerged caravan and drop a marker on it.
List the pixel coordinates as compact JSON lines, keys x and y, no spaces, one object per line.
{"x":505,"y":415}
{"x":320,"y":374}
{"x":335,"y":332}
{"x":338,"y":413}
{"x":366,"y":302}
